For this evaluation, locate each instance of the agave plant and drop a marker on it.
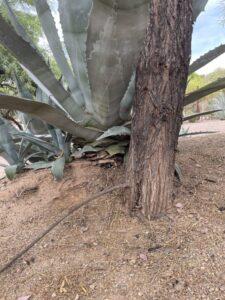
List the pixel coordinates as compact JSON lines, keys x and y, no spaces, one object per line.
{"x":219,"y":102}
{"x":102,"y":40}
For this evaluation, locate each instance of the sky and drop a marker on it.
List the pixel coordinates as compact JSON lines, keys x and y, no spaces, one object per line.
{"x":209,"y":32}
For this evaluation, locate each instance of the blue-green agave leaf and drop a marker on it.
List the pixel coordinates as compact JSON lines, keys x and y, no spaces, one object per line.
{"x":201,"y":114}
{"x":38,"y":142}
{"x":58,"y":168}
{"x":74,"y":17}
{"x":50,"y":30}
{"x":6,"y":143}
{"x":115,"y":131}
{"x":11,"y":171}
{"x":39,"y":165}
{"x":49,"y":114}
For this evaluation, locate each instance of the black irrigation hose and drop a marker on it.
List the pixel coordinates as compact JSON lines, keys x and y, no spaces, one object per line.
{"x":66,"y":214}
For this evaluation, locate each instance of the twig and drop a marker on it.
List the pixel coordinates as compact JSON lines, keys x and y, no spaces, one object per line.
{"x":66,"y":214}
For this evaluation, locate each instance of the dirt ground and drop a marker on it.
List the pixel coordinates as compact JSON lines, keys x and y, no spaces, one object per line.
{"x":205,"y":125}
{"x":102,"y":253}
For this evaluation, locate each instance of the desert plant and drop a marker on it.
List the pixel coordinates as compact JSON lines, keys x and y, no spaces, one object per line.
{"x":219,"y":103}
{"x":97,"y":63}
{"x":23,"y":150}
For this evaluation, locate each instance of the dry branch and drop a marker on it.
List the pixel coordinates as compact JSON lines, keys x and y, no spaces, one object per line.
{"x":66,"y":214}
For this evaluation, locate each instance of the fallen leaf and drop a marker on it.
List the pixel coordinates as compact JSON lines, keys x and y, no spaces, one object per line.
{"x":83,"y":289}
{"x":62,"y":289}
{"x":65,"y":283}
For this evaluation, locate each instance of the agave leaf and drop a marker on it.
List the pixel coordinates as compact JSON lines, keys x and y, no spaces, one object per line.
{"x":7,"y":144}
{"x":103,"y":143}
{"x":178,"y":172}
{"x":198,"y":7}
{"x":52,"y":131}
{"x":206,"y":58}
{"x":196,"y":133}
{"x":33,"y":125}
{"x":64,"y":144}
{"x":22,"y":91}
{"x":39,"y":71}
{"x":213,"y":87}
{"x":115,"y":149}
{"x":49,"y":114}
{"x":74,"y":15}
{"x":11,"y":171}
{"x":39,"y":155}
{"x":127,"y":101}
{"x":126,"y":158}
{"x":49,"y":28}
{"x":201,"y":114}
{"x":115,"y":131}
{"x":42,"y":97}
{"x":15,"y":23}
{"x":38,"y":142}
{"x":89,"y":149}
{"x":115,"y":38}
{"x":59,"y":140}
{"x":39,"y":166}
{"x":58,"y":168}
{"x":114,"y":44}
{"x":25,"y":148}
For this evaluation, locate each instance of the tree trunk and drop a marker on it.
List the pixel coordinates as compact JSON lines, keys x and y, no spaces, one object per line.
{"x":160,"y":88}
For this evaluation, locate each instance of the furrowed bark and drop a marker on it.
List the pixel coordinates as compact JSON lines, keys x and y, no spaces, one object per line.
{"x":157,"y":114}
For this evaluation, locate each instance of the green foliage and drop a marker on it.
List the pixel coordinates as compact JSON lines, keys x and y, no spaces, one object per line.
{"x":27,"y":19}
{"x":195,"y":82}
{"x":8,"y":64}
{"x":198,"y":82}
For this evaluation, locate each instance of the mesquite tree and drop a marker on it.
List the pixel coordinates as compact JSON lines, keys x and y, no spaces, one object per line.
{"x":160,"y":89}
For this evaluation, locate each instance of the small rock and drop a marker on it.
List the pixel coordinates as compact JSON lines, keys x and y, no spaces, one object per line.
{"x":204,"y":230}
{"x":143,"y":257}
{"x":24,"y":297}
{"x":92,"y":286}
{"x":132,"y":261}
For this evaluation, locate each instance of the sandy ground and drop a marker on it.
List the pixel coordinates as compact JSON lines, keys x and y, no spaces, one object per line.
{"x":102,"y":253}
{"x":210,"y":125}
